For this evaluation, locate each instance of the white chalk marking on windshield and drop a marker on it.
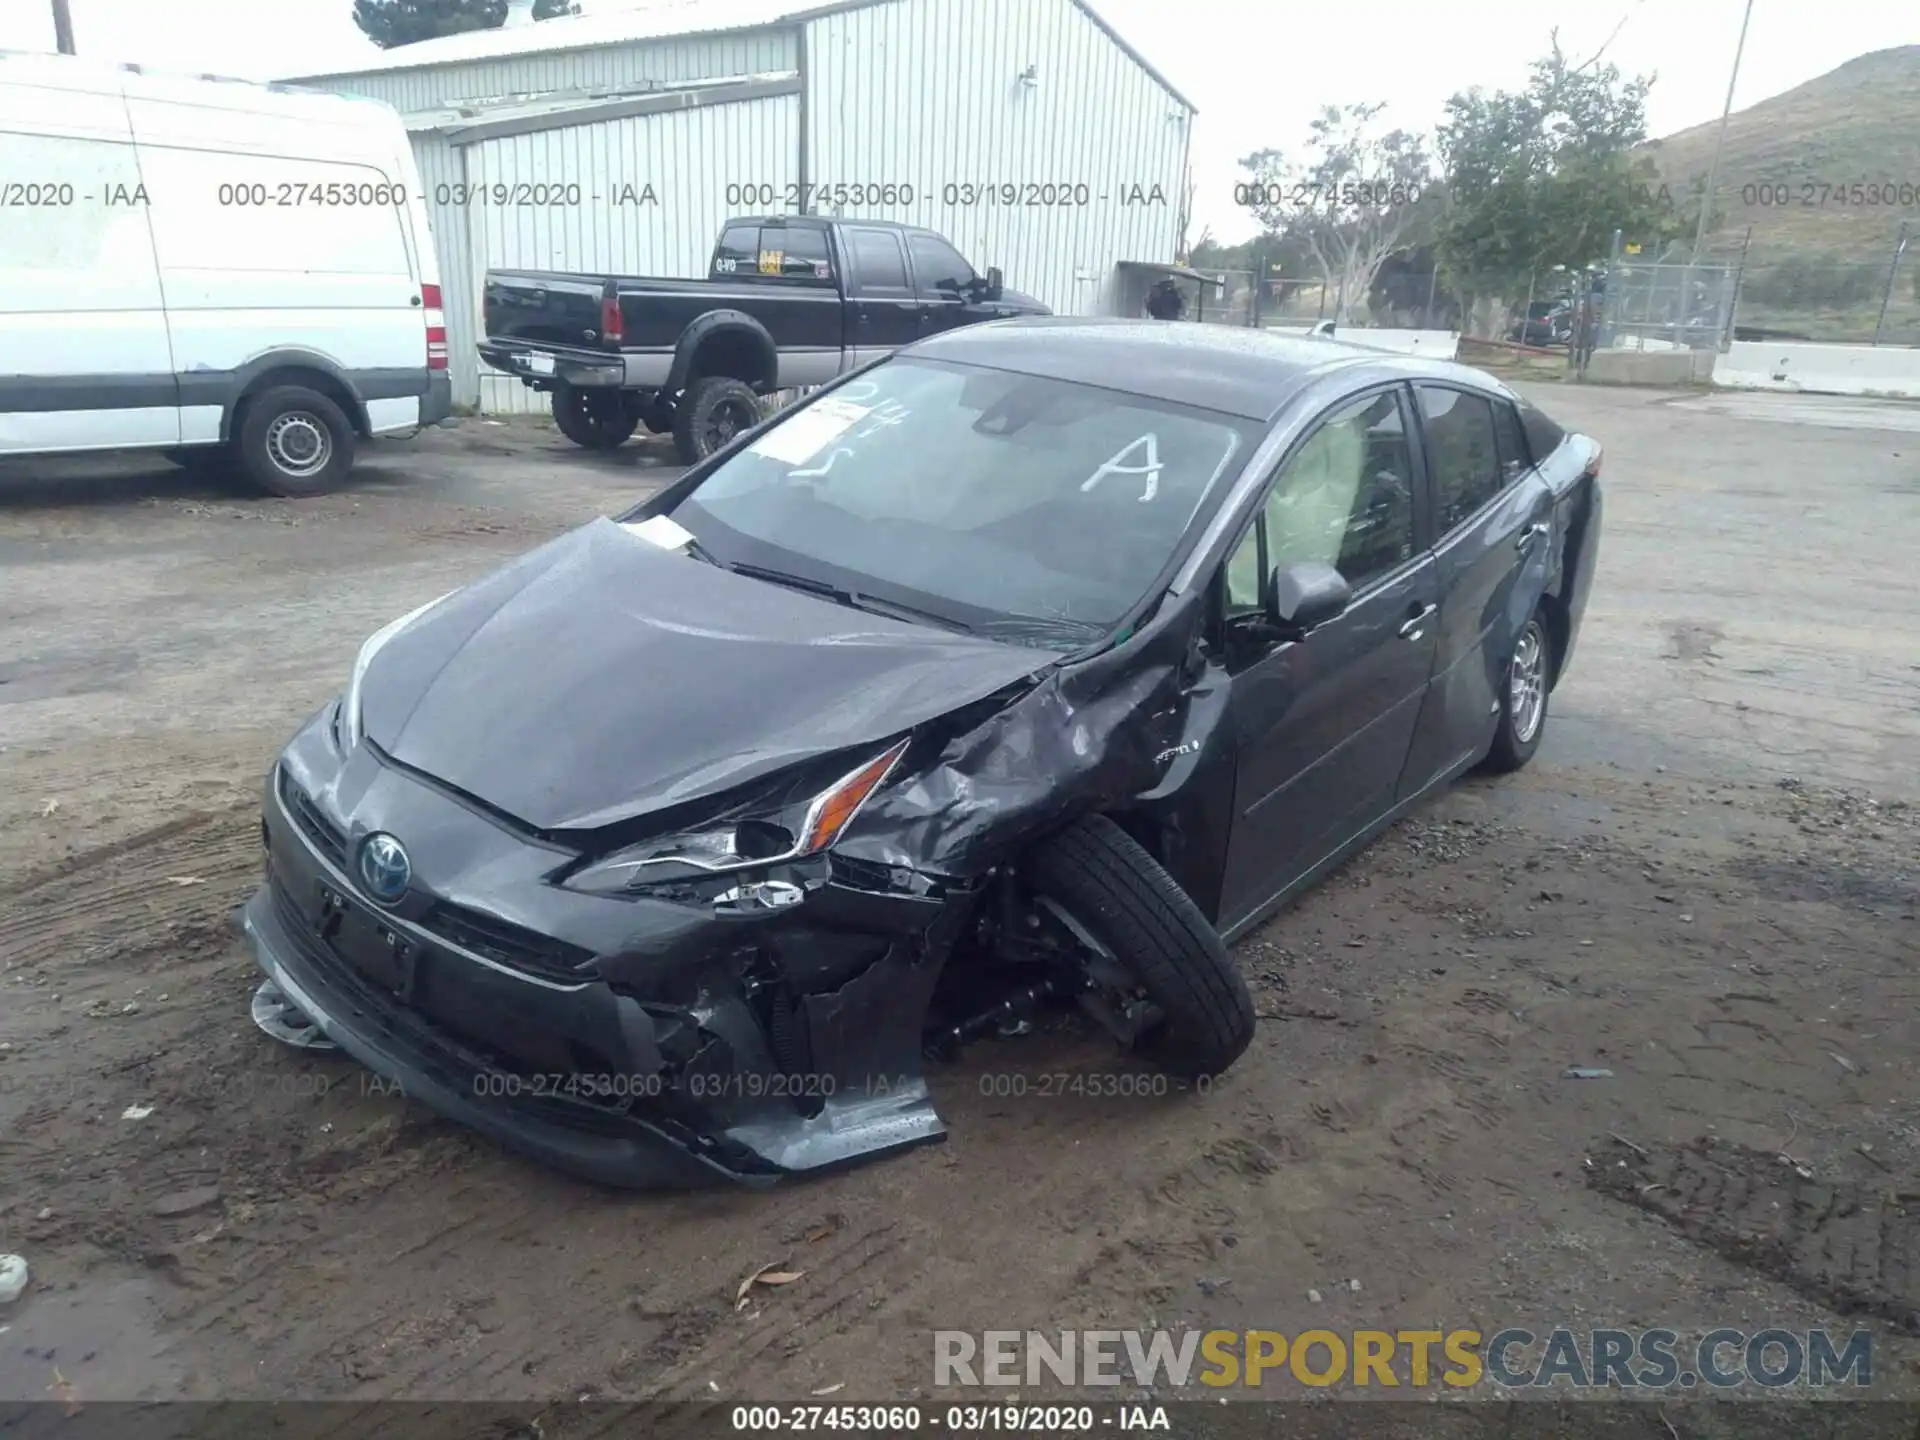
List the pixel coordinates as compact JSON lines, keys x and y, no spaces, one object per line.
{"x":821,"y":469}
{"x":1115,"y":466}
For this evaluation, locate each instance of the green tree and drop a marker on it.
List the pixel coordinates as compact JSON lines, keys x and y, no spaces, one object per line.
{"x":1346,"y":200}
{"x":403,"y":22}
{"x":1544,"y":175}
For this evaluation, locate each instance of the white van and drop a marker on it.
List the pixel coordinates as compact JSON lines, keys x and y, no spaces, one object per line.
{"x":214,"y":268}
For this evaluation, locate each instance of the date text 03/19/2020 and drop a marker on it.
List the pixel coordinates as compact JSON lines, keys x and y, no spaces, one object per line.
{"x":790,"y":198}
{"x":909,"y":1419}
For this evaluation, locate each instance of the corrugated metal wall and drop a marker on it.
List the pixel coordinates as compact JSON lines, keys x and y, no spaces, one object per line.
{"x":927,"y":93}
{"x":610,"y":67}
{"x":688,"y":156}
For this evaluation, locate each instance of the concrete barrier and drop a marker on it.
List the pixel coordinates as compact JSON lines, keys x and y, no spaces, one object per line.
{"x":1635,"y":366}
{"x":1884,"y":370}
{"x":1434,"y":344}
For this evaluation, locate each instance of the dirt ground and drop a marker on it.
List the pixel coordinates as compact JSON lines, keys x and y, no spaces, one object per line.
{"x":1705,"y":885}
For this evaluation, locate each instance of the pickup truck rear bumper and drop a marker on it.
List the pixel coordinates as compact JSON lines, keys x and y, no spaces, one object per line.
{"x":541,"y":367}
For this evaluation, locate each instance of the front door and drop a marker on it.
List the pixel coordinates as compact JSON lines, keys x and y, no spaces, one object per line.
{"x":1491,"y":510}
{"x":948,"y":291}
{"x":883,"y":313}
{"x":1323,"y":724}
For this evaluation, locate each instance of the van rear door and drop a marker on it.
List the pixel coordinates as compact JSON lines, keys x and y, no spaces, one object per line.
{"x":82,"y":328}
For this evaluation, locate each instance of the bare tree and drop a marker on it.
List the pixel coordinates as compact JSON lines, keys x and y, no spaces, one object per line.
{"x":1349,"y":199}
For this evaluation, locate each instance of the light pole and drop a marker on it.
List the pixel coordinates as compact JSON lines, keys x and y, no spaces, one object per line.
{"x":62,"y":27}
{"x":1720,"y":136}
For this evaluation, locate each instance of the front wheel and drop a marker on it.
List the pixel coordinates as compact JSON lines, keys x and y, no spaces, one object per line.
{"x":1523,"y":699}
{"x":710,"y":414}
{"x":1157,"y":975}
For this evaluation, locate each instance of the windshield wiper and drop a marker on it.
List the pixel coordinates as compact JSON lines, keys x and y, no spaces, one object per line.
{"x":852,"y":599}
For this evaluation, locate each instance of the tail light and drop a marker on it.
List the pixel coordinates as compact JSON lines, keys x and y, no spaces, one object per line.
{"x":613,"y":329}
{"x":1592,"y":471}
{"x":436,"y":327}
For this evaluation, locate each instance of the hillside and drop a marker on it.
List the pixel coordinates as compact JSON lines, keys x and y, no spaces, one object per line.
{"x":1860,"y":122}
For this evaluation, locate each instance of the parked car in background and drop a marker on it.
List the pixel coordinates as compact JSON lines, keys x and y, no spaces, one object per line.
{"x":789,"y":301}
{"x":1031,"y":665}
{"x":1549,"y":323}
{"x":235,"y":274}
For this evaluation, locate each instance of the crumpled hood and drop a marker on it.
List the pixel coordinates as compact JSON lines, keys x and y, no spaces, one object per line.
{"x":599,"y":678}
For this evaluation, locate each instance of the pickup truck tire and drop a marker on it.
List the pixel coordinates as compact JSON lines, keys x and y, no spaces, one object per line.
{"x":710,"y":414}
{"x":293,"y":441}
{"x":594,"y":422}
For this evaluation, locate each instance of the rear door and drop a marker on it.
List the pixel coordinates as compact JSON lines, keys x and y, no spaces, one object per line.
{"x":1491,"y":510}
{"x":794,"y":295}
{"x":1323,"y":724}
{"x":883,"y":313}
{"x":84,"y":358}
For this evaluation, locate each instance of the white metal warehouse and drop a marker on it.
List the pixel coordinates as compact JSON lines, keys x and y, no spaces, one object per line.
{"x":621,"y":141}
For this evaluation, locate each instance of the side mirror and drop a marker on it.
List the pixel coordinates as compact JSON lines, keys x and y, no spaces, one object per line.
{"x":1305,"y":595}
{"x":994,"y":282}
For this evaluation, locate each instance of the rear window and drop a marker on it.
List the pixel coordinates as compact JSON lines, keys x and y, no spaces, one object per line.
{"x":1543,"y":435}
{"x":738,"y":251}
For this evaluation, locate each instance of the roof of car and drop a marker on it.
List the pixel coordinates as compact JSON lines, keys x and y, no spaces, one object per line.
{"x":1251,"y":373}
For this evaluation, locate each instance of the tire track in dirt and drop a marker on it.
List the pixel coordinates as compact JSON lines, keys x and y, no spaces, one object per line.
{"x":1853,"y":1247}
{"x":133,"y":896}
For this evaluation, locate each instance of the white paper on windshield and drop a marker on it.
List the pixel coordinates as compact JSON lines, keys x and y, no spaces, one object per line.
{"x":803,"y":436}
{"x":661,"y":530}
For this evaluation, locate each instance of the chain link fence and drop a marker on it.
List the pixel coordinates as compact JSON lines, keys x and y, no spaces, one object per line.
{"x":1667,"y":306}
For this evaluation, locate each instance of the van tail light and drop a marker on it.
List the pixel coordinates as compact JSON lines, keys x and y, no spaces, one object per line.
{"x":613,"y":329}
{"x":436,"y":327}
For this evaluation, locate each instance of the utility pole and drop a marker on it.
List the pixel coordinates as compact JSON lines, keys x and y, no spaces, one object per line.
{"x":1893,"y":274}
{"x":1720,"y":136}
{"x":62,"y":27}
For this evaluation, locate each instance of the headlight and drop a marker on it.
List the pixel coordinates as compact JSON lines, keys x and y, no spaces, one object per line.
{"x":349,"y":723}
{"x":744,"y":842}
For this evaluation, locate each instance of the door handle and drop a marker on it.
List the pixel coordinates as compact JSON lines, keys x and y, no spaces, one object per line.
{"x":1416,"y":624}
{"x":1530,"y":534}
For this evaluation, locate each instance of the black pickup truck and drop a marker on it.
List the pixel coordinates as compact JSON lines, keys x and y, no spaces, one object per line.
{"x":789,"y":301}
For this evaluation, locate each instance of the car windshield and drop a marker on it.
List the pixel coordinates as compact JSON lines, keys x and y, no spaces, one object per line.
{"x":1018,"y":507}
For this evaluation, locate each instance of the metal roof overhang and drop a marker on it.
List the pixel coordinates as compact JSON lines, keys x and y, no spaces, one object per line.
{"x":469,"y":124}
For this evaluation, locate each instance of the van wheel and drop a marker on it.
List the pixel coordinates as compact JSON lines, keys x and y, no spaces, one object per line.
{"x":1156,"y":974}
{"x":591,"y":421}
{"x":710,"y":414}
{"x":294,"y":441}
{"x":1523,"y":699}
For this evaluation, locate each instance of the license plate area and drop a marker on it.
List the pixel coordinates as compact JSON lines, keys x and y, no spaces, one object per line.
{"x":376,"y":950}
{"x":536,"y":364}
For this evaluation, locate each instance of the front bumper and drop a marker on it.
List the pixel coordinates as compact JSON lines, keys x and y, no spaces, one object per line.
{"x":656,"y":1062}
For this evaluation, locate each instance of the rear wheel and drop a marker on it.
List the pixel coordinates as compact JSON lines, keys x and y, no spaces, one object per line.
{"x":1523,"y":699}
{"x":294,"y":441}
{"x":591,"y":420}
{"x":710,"y":414}
{"x":1158,"y":976}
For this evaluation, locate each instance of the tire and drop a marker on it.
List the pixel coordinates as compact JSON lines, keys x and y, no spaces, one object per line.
{"x":1101,"y":877}
{"x":1522,"y":721}
{"x":710,"y":414}
{"x":293,"y":441}
{"x":593,"y":422}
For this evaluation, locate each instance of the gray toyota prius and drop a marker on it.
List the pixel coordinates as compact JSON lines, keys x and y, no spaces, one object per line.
{"x":1020,"y":671}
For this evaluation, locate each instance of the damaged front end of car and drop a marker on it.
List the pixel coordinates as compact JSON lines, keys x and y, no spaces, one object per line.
{"x":741,"y":984}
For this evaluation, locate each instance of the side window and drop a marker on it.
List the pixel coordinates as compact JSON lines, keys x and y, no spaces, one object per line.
{"x":1462,"y":452}
{"x":797,"y":252}
{"x":738,"y":252}
{"x":938,"y":268}
{"x":1514,"y":460}
{"x":1344,"y":498}
{"x":878,"y":263}
{"x":806,"y":254}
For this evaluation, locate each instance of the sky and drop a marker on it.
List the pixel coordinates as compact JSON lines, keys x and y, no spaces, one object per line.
{"x":1257,"y":70}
